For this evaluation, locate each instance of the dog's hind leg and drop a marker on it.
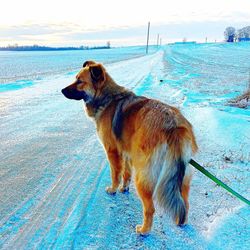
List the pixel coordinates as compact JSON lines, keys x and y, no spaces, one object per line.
{"x":185,"y":192}
{"x":115,"y":160}
{"x":126,"y":176}
{"x":146,"y":194}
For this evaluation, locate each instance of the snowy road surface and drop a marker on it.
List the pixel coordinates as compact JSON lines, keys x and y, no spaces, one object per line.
{"x":53,"y":170}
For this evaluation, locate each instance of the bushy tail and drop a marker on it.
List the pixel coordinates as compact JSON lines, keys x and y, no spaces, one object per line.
{"x":169,"y":184}
{"x":168,"y":190}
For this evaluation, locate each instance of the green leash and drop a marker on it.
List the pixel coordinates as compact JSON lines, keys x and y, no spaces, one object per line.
{"x":217,"y":181}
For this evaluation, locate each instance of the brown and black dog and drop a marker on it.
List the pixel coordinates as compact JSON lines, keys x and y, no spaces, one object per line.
{"x":140,"y":134}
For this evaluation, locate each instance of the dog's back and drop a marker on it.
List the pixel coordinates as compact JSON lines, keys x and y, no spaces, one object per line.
{"x":140,"y":133}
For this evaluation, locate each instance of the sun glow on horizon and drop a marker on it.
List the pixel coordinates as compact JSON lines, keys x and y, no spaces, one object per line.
{"x":52,"y":22}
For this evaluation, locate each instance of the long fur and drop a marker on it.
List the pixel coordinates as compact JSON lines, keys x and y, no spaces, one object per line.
{"x":169,"y":183}
{"x":168,"y":189}
{"x":155,"y":138}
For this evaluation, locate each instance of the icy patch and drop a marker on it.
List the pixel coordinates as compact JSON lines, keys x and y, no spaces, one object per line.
{"x":15,"y":85}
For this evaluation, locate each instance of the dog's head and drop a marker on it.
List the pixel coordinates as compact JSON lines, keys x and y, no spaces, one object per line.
{"x":89,"y":81}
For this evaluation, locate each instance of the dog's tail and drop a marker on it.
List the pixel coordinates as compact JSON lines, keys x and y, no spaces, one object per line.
{"x":169,"y":184}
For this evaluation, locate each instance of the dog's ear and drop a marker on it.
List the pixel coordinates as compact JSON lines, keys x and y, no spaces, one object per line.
{"x":87,"y":63}
{"x":97,"y":73}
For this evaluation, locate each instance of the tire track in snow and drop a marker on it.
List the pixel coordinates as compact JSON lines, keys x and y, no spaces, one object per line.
{"x":53,"y":200}
{"x":34,"y":220}
{"x":78,"y":213}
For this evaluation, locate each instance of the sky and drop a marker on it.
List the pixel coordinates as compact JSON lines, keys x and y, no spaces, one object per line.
{"x":86,"y":22}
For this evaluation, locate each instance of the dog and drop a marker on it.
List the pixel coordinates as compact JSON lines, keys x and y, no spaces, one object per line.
{"x":141,"y":134}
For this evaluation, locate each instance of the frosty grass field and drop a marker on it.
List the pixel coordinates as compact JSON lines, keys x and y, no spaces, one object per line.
{"x":53,"y":170}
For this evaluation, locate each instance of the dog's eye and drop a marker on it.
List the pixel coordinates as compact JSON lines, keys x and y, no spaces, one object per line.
{"x":78,"y":81}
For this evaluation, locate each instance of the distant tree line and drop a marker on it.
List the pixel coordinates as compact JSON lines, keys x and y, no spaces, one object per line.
{"x":240,"y":35}
{"x":35,"y":47}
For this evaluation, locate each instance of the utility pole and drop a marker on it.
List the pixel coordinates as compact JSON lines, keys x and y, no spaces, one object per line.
{"x":157,"y":40}
{"x":147,"y":38}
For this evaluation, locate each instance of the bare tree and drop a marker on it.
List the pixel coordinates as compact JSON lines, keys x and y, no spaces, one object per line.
{"x":244,"y":33}
{"x":230,"y":34}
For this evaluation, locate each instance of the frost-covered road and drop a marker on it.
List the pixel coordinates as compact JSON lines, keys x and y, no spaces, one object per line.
{"x":53,"y":170}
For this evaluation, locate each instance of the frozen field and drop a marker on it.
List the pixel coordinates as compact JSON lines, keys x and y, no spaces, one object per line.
{"x":53,"y":170}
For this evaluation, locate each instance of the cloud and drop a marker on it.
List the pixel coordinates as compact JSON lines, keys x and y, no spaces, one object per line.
{"x":35,"y":29}
{"x":89,"y":23}
{"x":66,"y":33}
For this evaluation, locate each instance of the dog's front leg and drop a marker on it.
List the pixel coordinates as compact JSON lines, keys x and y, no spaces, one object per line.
{"x":115,"y":160}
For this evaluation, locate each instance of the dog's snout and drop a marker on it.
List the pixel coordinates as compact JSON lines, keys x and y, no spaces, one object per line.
{"x":63,"y":91}
{"x":74,"y":94}
{"x":67,"y":93}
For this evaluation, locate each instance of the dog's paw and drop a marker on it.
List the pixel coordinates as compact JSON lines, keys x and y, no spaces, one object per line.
{"x":124,"y":189}
{"x":110,"y":190}
{"x":141,"y":230}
